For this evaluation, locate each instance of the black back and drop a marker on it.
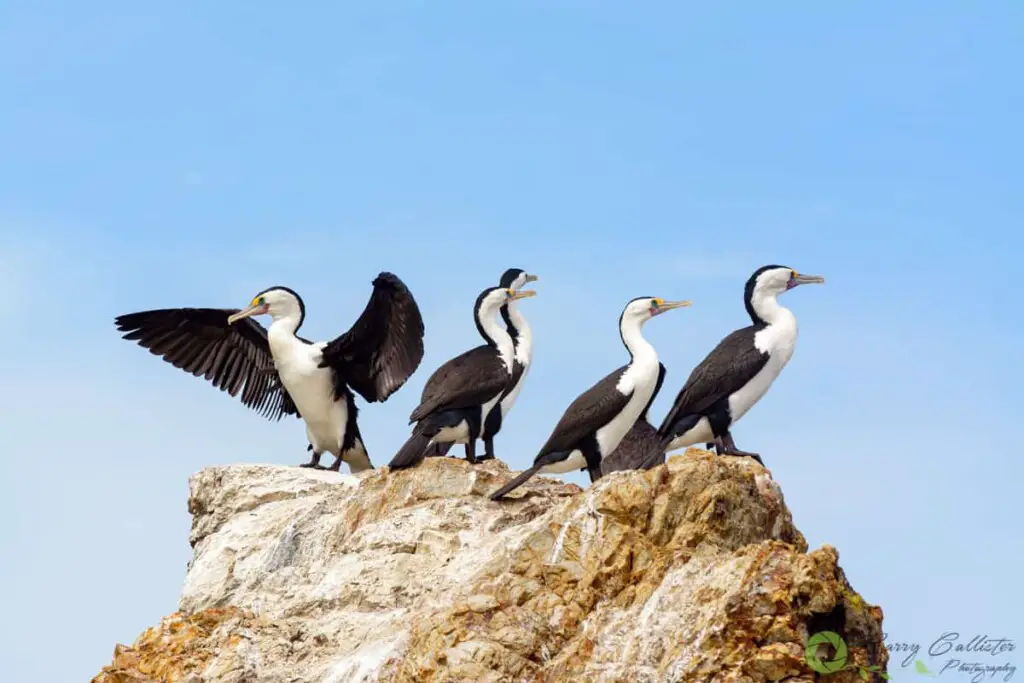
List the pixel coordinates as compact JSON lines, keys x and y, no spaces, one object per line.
{"x":590,"y":411}
{"x":470,"y":379}
{"x":730,"y":365}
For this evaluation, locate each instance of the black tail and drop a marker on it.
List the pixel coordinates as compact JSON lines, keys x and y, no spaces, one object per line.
{"x":515,"y":483}
{"x":658,"y":456}
{"x":670,"y":430}
{"x":654,"y":459}
{"x":412,"y":451}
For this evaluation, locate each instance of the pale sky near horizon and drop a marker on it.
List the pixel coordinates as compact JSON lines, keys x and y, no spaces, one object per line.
{"x":172,"y":154}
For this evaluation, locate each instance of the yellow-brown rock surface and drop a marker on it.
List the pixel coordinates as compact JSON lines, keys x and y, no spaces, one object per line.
{"x":691,"y":571}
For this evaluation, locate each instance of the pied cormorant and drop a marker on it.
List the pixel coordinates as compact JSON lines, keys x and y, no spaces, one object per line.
{"x":522,"y":342}
{"x":279,"y":373}
{"x":738,"y":372}
{"x":594,"y":424}
{"x":460,"y":395}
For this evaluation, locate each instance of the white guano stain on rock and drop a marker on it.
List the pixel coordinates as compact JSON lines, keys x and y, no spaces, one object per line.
{"x":691,"y":571}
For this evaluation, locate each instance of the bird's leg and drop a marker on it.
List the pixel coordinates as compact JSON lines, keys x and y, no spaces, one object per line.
{"x":730,"y":449}
{"x":337,"y":464}
{"x":488,"y":449}
{"x":471,"y":452}
{"x":314,"y":460}
{"x":712,"y":445}
{"x":717,"y":445}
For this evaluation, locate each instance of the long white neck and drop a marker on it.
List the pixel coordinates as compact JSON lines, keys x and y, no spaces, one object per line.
{"x":639,"y":348}
{"x":768,"y":308}
{"x":524,"y":338}
{"x":284,"y":324}
{"x":497,"y":335}
{"x":780,"y":334}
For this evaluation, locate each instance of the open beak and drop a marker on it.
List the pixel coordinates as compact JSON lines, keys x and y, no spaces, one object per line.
{"x":521,"y":294}
{"x":529,"y":278}
{"x":252,"y":310}
{"x":669,"y":305}
{"x":797,"y":279}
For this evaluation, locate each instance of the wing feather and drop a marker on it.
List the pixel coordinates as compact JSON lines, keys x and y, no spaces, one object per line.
{"x":592,"y":409}
{"x":641,"y":448}
{"x":384,"y":346}
{"x":471,"y":378}
{"x":234,"y":358}
{"x":724,"y":371}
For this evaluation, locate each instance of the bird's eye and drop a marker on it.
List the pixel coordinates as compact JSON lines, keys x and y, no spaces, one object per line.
{"x":656,"y":302}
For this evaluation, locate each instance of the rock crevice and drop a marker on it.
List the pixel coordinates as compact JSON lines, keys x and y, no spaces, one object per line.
{"x":691,"y":571}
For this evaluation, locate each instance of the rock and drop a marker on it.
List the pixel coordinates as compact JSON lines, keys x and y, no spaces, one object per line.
{"x":690,"y":571}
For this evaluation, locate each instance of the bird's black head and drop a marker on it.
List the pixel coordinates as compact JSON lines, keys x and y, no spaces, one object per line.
{"x":516,"y":278}
{"x":513,"y":278}
{"x":508,"y":278}
{"x":490,"y":300}
{"x":277,"y":301}
{"x":641,"y":309}
{"x":767,"y":282}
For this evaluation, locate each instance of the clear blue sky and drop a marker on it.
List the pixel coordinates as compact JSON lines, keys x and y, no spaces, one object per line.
{"x":166,"y":154}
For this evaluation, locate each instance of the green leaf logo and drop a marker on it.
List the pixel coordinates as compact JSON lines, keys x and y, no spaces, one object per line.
{"x":826,"y":666}
{"x":922,"y":669}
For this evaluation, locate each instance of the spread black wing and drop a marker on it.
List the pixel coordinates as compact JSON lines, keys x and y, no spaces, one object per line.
{"x":729,"y":366}
{"x":384,"y":346}
{"x":234,"y":358}
{"x":470,"y":379}
{"x":591,"y":410}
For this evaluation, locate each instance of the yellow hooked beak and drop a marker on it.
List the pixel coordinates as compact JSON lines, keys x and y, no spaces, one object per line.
{"x":255,"y":308}
{"x":514,"y":295}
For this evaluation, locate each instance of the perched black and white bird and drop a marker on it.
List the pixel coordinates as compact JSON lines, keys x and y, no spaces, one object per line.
{"x":279,"y":373}
{"x":458,"y":398}
{"x":738,"y":372}
{"x":522,"y":342}
{"x":594,"y":424}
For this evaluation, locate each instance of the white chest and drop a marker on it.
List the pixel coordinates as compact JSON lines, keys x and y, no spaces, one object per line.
{"x":523,"y":355}
{"x":779,"y":341}
{"x":640,"y":379}
{"x":296,"y":362}
{"x":311,"y":387}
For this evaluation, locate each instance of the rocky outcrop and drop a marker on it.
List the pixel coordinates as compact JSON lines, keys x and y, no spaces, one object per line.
{"x":690,"y":571}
